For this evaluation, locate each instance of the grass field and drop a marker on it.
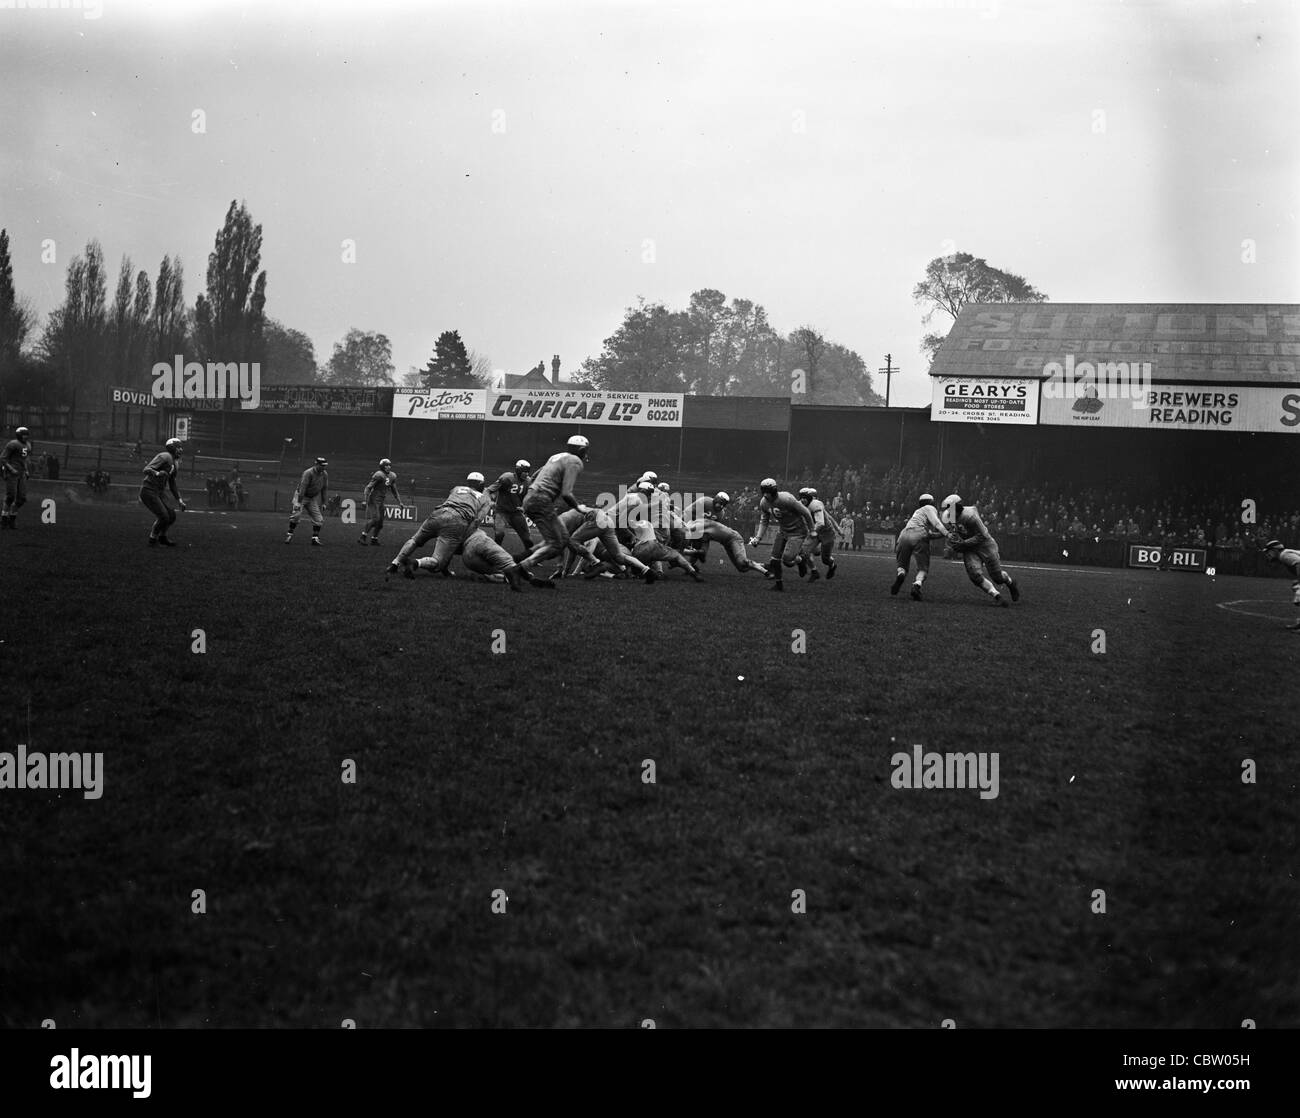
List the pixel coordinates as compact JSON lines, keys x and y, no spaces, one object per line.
{"x":522,"y":771}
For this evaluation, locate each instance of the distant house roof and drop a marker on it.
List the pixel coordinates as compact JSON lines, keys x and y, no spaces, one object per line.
{"x":530,"y":379}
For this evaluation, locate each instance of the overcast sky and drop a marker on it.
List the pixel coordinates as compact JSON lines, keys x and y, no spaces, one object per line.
{"x":502,"y":166}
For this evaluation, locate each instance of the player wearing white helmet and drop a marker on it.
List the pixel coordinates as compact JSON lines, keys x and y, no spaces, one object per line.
{"x":159,"y":477}
{"x":13,"y":464}
{"x":670,"y":528}
{"x":549,"y":494}
{"x":449,"y":524}
{"x":970,"y":539}
{"x":794,"y":523}
{"x":381,"y":483}
{"x":1289,"y":557}
{"x":822,"y":542}
{"x":703,"y":528}
{"x":913,"y":542}
{"x":309,"y":497}
{"x":507,"y":493}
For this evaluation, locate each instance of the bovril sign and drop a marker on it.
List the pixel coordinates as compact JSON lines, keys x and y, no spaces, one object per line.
{"x":131,"y":398}
{"x":1156,"y":557}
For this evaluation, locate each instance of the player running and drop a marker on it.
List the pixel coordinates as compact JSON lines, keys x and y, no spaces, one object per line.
{"x":913,"y":541}
{"x":549,"y":494}
{"x":159,"y":476}
{"x":484,"y":556}
{"x":13,"y":464}
{"x":1289,"y":557}
{"x":309,"y":497}
{"x":465,"y":508}
{"x":968,"y":536}
{"x":507,"y":492}
{"x":794,"y":523}
{"x":823,"y":542}
{"x":381,"y":483}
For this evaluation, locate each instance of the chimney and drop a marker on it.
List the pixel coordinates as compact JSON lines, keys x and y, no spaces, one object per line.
{"x":555,"y":369}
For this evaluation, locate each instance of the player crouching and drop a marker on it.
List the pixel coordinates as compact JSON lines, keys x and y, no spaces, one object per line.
{"x":704,"y":528}
{"x":484,"y":556}
{"x":969,"y":538}
{"x":1289,"y":557}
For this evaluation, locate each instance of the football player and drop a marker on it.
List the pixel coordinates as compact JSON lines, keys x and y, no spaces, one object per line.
{"x":596,"y":525}
{"x":448,"y":525}
{"x":549,"y":494}
{"x":507,"y":492}
{"x":13,"y":464}
{"x":794,"y":523}
{"x":823,"y":542}
{"x":649,"y":550}
{"x":970,"y":539}
{"x":382,"y":482}
{"x":159,"y":476}
{"x":913,"y":542}
{"x":484,"y":556}
{"x":310,"y":497}
{"x":1289,"y":557}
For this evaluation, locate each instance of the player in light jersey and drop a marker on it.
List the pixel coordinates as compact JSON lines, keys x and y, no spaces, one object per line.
{"x":507,"y":492}
{"x":794,"y":523}
{"x":13,"y":464}
{"x":549,"y":494}
{"x":381,"y":482}
{"x":484,"y":556}
{"x":823,"y":542}
{"x":968,"y":536}
{"x":596,"y":525}
{"x":913,"y":542}
{"x":159,"y":477}
{"x":449,"y":524}
{"x":308,"y":498}
{"x":669,"y":525}
{"x":704,"y":528}
{"x":649,"y":550}
{"x":1289,"y":557}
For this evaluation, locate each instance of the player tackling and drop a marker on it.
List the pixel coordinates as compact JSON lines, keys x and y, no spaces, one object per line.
{"x":970,"y":539}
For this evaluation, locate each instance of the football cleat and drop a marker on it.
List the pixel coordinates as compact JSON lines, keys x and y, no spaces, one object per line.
{"x":830,"y":571}
{"x":916,"y":592}
{"x":898,"y":583}
{"x":1014,"y":587}
{"x":813,"y":576}
{"x":315,"y":540}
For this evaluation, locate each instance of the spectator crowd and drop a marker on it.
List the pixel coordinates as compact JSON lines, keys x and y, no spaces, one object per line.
{"x":862,"y":500}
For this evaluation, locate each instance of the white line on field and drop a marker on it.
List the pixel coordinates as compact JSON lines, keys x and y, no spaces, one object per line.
{"x":1230,"y":606}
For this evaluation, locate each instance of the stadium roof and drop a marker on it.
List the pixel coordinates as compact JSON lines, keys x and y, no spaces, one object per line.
{"x":1215,"y":343}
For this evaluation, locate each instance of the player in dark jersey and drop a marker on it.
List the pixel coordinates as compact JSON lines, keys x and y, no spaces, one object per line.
{"x":507,"y":494}
{"x":381,"y":483}
{"x":159,"y":477}
{"x":13,"y":464}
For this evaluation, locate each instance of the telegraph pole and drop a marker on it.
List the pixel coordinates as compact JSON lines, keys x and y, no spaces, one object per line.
{"x":889,"y":370}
